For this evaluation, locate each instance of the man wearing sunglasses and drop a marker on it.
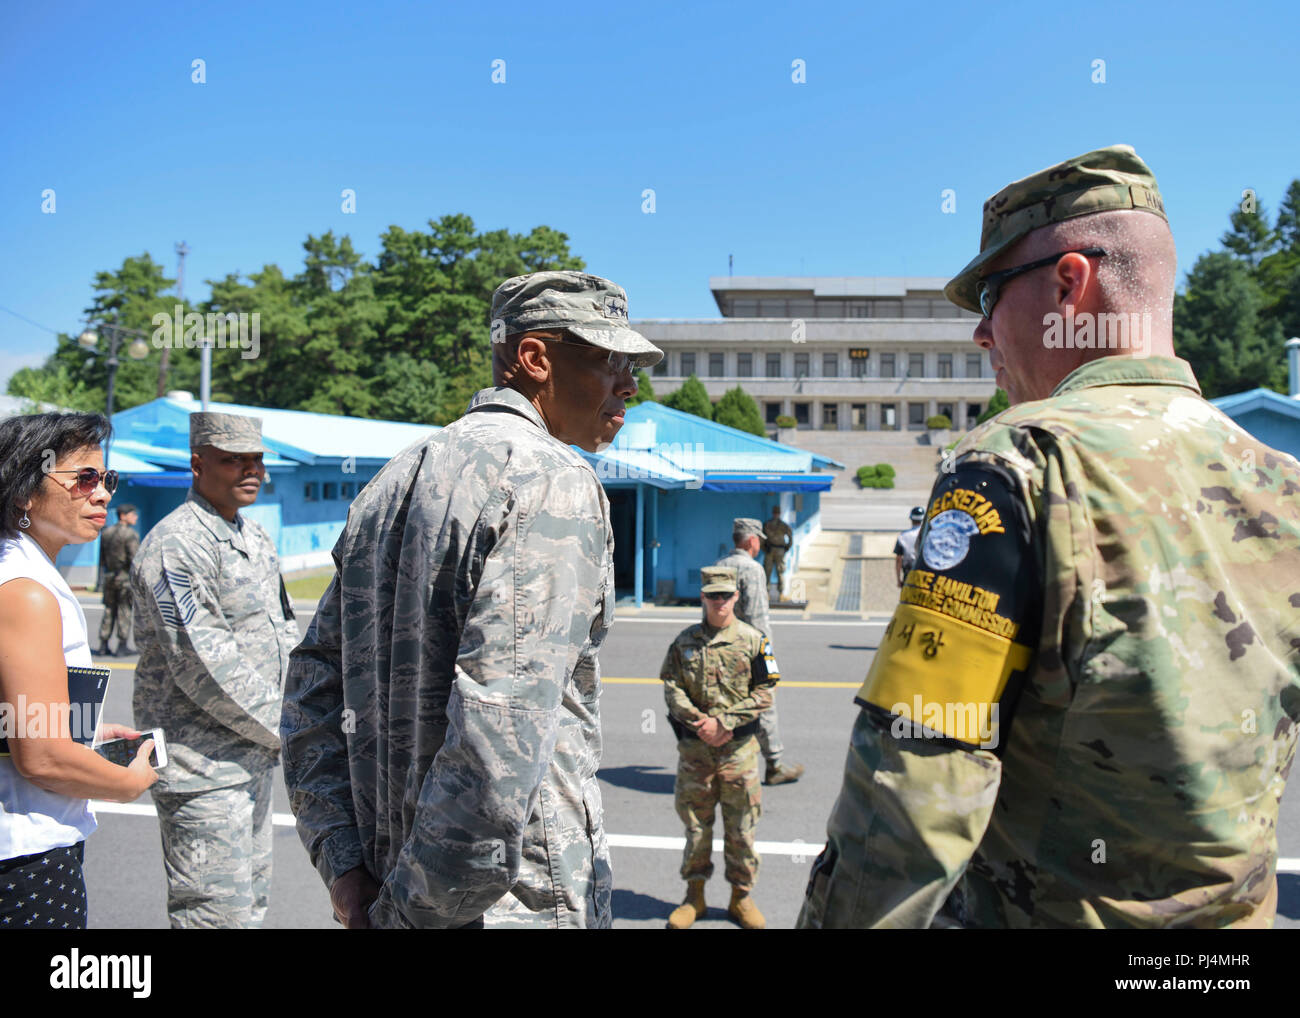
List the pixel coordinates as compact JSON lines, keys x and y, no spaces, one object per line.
{"x":441,"y":719}
{"x":215,"y":629}
{"x":1085,"y":706}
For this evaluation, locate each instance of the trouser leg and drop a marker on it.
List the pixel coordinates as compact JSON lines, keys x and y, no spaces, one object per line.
{"x":696,"y":798}
{"x":769,"y":737}
{"x":741,"y":796}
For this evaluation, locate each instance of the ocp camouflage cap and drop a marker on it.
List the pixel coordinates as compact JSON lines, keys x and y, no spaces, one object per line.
{"x":592,"y":308}
{"x":227,"y":432}
{"x":746,"y":526}
{"x":1103,"y":180}
{"x":717,"y":580}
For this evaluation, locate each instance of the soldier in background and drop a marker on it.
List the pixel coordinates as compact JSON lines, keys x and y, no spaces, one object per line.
{"x":215,"y":629}
{"x":905,"y":546}
{"x":117,"y":547}
{"x":442,"y":717}
{"x":1114,"y":561}
{"x":753,"y":607}
{"x":718,"y":677}
{"x":777,"y":540}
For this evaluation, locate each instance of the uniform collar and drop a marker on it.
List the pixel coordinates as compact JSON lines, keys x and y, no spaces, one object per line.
{"x":503,"y":397}
{"x":221,"y":529}
{"x":724,"y":635}
{"x":1129,"y":371}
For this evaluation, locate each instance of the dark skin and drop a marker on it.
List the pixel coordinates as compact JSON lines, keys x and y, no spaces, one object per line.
{"x":581,"y":399}
{"x":229,"y":480}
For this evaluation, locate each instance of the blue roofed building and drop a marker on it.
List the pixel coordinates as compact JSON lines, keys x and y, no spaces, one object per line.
{"x":674,"y":482}
{"x":1271,"y":417}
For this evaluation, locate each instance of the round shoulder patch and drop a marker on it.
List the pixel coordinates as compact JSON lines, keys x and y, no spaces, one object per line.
{"x":948,"y":539}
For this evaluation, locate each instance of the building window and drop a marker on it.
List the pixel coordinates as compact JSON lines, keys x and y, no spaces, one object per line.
{"x":856,"y":309}
{"x":329,"y":491}
{"x":830,"y":309}
{"x":715,"y":365}
{"x":688,"y":365}
{"x":915,"y":416}
{"x":830,"y":416}
{"x":745,"y":365}
{"x":945,"y":365}
{"x":947,"y":410}
{"x":974,"y":365}
{"x":772,"y":309}
{"x":347,"y":490}
{"x":773,"y":365}
{"x":858,"y":366}
{"x":830,"y":365}
{"x":801,"y":365}
{"x":916,"y":365}
{"x":310,"y":492}
{"x":887,"y":368}
{"x":858,"y":417}
{"x":973,"y":411}
{"x":662,"y":367}
{"x":771,"y":411}
{"x":744,"y":308}
{"x":802,"y":309}
{"x":887,"y":309}
{"x":801,"y":414}
{"x":888,"y":416}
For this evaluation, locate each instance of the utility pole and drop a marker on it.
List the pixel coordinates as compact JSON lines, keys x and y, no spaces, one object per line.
{"x":181,"y":251}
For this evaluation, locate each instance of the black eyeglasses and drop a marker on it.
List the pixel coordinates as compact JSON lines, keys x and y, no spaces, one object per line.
{"x":88,"y":479}
{"x":718,"y":595}
{"x":987,"y":288}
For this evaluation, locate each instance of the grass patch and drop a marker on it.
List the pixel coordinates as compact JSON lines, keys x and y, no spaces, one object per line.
{"x":309,"y":586}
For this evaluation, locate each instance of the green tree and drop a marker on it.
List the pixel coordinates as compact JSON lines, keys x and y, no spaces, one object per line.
{"x":54,"y":386}
{"x":997,"y":404}
{"x":691,"y":398}
{"x":737,"y":409}
{"x":1219,"y":330}
{"x":645,"y":392}
{"x":1250,"y":237}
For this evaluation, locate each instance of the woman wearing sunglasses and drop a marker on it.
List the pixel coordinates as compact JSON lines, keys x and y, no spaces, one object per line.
{"x":53,"y":492}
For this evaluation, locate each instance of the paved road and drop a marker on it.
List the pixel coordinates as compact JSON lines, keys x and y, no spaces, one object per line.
{"x":124,"y":864}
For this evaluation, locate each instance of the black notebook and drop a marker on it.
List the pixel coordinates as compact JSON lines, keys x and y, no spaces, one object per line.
{"x":86,"y":690}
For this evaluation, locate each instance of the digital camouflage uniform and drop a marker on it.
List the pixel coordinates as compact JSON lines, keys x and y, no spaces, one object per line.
{"x":442,"y":718}
{"x":1101,"y":622}
{"x":777,"y":538}
{"x":730,"y":674}
{"x":215,"y":631}
{"x":753,"y":607}
{"x":118,"y":547}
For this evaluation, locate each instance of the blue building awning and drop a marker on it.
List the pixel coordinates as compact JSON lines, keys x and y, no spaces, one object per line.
{"x":718,"y":481}
{"x":162,"y":479}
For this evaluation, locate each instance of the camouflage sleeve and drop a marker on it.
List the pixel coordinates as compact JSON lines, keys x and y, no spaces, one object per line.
{"x":763,"y":676}
{"x":132,"y":546}
{"x":754,"y":605}
{"x":204,"y":658}
{"x":679,"y":703}
{"x":537,"y":599}
{"x":315,"y":748}
{"x":923,"y":767}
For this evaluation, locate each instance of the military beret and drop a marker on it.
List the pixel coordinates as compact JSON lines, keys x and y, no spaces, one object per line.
{"x":592,"y":308}
{"x":1104,"y":180}
{"x":227,"y":432}
{"x":717,"y":580}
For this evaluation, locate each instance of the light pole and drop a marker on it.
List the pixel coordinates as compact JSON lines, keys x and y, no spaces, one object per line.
{"x":137,"y":350}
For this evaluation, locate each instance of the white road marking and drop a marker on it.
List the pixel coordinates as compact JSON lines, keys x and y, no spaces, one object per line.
{"x":796,"y":848}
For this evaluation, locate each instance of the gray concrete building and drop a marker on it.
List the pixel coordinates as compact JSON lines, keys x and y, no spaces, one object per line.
{"x":841,"y":353}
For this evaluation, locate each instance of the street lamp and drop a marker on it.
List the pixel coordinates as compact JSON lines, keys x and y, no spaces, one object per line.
{"x":138,"y":350}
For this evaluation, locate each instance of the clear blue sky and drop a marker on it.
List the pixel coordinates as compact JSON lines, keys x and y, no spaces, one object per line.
{"x":841,"y":175}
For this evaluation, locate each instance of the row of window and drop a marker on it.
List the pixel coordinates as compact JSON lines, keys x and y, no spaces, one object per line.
{"x":329,"y":491}
{"x":888,"y":419}
{"x":888,"y":365}
{"x":829,"y":307}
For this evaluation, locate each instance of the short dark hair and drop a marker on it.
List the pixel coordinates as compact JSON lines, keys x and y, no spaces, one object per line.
{"x":26,"y":441}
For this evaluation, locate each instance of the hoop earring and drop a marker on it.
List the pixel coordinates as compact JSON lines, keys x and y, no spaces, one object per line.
{"x":24,"y":522}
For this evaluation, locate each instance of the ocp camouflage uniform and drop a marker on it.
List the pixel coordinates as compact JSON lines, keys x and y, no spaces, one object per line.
{"x":442,"y":717}
{"x":777,"y":539}
{"x":729,"y":674}
{"x":118,"y":547}
{"x":1116,"y":565}
{"x":753,"y":607}
{"x":215,"y":631}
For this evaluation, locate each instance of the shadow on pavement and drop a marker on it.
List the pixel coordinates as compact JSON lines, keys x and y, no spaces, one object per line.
{"x":634,"y":905}
{"x":640,"y":778}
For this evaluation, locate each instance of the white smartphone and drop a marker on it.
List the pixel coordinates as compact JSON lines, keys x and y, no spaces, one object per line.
{"x":123,"y":751}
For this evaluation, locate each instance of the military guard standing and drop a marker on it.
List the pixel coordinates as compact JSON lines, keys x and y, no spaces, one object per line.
{"x":1086,"y":705}
{"x":215,"y":629}
{"x":442,"y":717}
{"x":718,"y":676}
{"x":753,"y":607}
{"x":117,"y":548}
{"x":777,"y":540}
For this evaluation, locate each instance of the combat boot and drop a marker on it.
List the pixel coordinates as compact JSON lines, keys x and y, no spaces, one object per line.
{"x":689,"y":910}
{"x":783,"y":774}
{"x":744,"y":911}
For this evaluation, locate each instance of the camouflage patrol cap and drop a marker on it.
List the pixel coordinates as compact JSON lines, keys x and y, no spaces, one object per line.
{"x":717,"y":580}
{"x":227,"y":432}
{"x":592,"y":308}
{"x":746,"y":526}
{"x":1104,"y":180}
